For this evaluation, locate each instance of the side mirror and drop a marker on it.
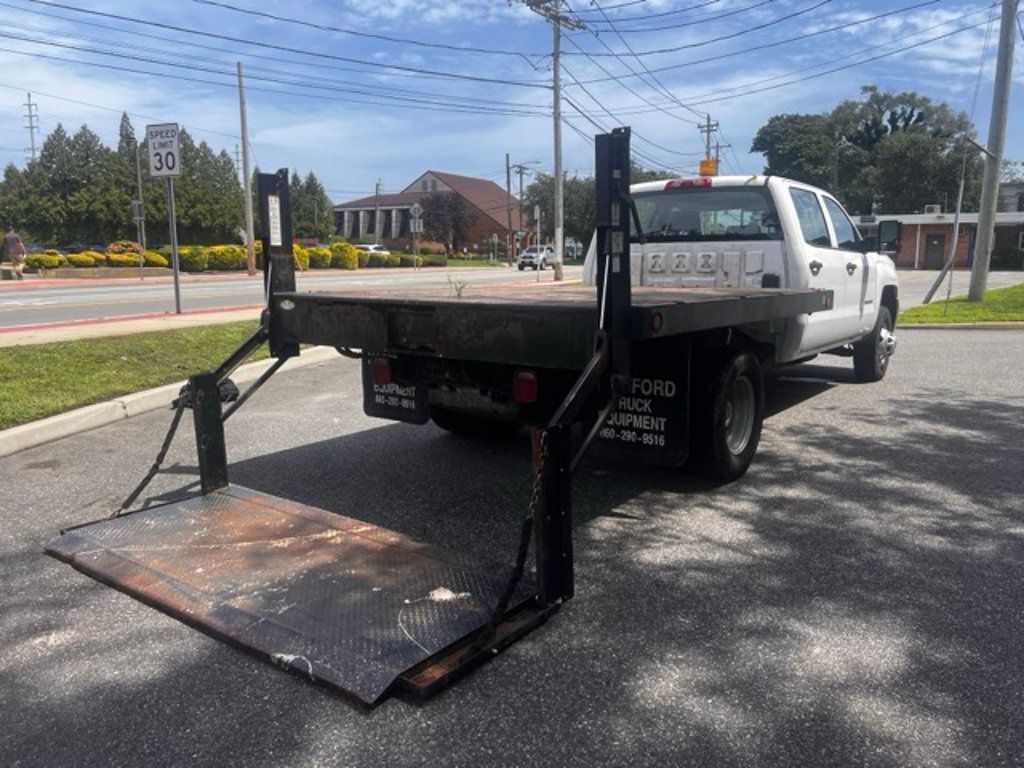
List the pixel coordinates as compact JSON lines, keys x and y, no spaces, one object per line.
{"x":888,"y":236}
{"x":868,"y":244}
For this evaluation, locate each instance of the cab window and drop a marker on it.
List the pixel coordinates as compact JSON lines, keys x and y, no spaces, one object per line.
{"x":705,"y":214}
{"x":846,"y":233}
{"x":812,"y":220}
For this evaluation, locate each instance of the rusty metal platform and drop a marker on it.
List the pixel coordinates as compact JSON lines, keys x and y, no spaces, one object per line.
{"x":338,"y":600}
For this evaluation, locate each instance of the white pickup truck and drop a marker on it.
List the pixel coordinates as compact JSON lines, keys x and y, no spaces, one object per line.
{"x":767,"y":231}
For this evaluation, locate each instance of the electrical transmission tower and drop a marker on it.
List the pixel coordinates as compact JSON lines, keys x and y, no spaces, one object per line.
{"x":32,"y":115}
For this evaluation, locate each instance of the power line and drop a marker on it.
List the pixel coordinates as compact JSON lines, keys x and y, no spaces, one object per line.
{"x":352,"y":87}
{"x":702,"y":20}
{"x":286,"y":49}
{"x":744,"y":89}
{"x":403,"y":101}
{"x":196,"y":129}
{"x":833,"y":70}
{"x":621,"y":122}
{"x":620,"y":82}
{"x":321,"y":97}
{"x":371,"y":35}
{"x":654,"y":77}
{"x":647,"y":16}
{"x":233,"y":53}
{"x":720,"y":38}
{"x":777,"y":43}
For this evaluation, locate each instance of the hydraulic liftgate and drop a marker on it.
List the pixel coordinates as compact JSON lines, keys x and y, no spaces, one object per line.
{"x":347,"y":603}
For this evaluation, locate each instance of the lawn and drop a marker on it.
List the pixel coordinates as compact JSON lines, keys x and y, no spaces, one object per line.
{"x":1000,"y":305}
{"x":43,"y":379}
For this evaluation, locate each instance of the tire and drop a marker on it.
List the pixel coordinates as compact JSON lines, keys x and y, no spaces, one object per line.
{"x":871,"y":354}
{"x":727,"y":413}
{"x":471,"y":425}
{"x":536,"y":267}
{"x":521,"y":267}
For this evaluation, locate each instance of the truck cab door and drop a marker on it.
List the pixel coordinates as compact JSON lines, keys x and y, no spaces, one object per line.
{"x":862,"y":286}
{"x":819,"y":264}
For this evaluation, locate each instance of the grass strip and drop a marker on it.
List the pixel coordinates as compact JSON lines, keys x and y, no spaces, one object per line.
{"x":1000,"y":305}
{"x":41,"y":380}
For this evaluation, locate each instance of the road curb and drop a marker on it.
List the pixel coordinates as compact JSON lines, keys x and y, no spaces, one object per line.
{"x":997,"y":326}
{"x":89,"y":417}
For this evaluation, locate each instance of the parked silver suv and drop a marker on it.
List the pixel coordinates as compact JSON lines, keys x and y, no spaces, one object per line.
{"x":536,"y":256}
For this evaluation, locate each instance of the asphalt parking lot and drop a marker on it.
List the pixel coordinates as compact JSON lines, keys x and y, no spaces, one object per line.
{"x":854,"y":600}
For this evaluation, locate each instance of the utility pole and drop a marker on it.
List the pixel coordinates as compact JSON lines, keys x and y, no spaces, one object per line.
{"x":376,"y":214}
{"x":32,"y":115}
{"x":508,"y":210}
{"x":250,"y":236}
{"x":994,"y":152}
{"x":718,"y":150}
{"x":709,"y":127}
{"x":551,"y":11}
{"x":238,"y":160}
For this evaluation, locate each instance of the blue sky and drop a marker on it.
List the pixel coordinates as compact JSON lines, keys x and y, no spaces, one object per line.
{"x":475,"y":76}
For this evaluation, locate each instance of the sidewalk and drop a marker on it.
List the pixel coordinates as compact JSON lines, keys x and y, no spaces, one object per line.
{"x":123,"y":326}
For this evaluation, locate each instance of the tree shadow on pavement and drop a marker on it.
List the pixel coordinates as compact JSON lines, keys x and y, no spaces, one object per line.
{"x":854,"y":600}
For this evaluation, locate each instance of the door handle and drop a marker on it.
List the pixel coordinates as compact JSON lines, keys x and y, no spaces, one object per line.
{"x":851,"y":267}
{"x":815,"y":267}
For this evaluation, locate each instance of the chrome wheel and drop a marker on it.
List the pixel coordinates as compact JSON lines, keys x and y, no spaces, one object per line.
{"x":739,"y":415}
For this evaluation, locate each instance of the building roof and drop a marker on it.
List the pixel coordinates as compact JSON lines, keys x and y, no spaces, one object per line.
{"x":391,"y":200}
{"x":482,"y":194}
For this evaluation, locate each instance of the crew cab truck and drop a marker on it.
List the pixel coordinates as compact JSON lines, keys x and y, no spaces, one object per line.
{"x":760,"y":231}
{"x":637,"y":364}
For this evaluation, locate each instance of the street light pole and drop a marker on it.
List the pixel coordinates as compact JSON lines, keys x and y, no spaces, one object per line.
{"x":250,"y":245}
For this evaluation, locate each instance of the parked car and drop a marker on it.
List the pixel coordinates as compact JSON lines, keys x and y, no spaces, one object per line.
{"x":380,"y":250}
{"x":536,"y":256}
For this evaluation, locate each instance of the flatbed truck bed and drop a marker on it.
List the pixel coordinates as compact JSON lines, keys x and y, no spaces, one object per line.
{"x":548,"y":325}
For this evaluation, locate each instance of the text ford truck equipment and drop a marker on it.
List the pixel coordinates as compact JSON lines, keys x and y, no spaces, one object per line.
{"x":366,"y":609}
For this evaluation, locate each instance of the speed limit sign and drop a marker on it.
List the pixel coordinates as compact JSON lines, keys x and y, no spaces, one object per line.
{"x":164,"y":154}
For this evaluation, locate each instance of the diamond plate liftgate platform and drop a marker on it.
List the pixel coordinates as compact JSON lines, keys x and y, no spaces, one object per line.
{"x":338,"y":600}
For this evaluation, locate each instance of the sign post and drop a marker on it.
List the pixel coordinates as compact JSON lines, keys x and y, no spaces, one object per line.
{"x":416,"y":227}
{"x":164,"y":156}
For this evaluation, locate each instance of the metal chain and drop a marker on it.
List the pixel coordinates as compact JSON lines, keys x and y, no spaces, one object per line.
{"x":525,"y":533}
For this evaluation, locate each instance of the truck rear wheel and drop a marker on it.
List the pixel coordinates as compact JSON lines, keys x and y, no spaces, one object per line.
{"x":471,"y":425}
{"x":726,"y":421}
{"x":871,"y":354}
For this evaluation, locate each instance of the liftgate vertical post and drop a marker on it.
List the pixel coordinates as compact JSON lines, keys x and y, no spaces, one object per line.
{"x":553,"y":516}
{"x":279,"y":277}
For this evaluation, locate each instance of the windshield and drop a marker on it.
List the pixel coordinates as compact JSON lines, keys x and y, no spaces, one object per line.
{"x":706,"y":213}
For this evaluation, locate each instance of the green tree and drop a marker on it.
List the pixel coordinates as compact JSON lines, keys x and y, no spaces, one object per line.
{"x":800,"y":147}
{"x":312,"y":213}
{"x":446,"y":218}
{"x":886,"y":152}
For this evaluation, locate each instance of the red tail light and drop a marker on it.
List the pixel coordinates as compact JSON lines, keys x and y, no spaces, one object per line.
{"x":524,"y":387}
{"x":381,"y":368}
{"x":681,"y":183}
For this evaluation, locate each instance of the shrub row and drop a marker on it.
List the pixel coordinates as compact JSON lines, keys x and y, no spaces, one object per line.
{"x":198,"y":258}
{"x":53,"y":259}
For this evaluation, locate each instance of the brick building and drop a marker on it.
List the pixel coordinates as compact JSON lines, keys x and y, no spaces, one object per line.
{"x":924,"y":238}
{"x":487,"y":202}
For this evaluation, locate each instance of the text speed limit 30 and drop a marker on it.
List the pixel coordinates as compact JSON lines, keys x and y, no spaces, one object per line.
{"x":164,"y":149}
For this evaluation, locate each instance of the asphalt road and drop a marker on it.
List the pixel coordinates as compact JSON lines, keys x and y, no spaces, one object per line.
{"x":34,"y":302}
{"x":853,"y":601}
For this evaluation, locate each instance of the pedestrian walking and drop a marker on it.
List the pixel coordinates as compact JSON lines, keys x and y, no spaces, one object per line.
{"x":15,"y":252}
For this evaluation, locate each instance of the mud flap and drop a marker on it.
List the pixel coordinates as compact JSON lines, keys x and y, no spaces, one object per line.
{"x":331,"y":598}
